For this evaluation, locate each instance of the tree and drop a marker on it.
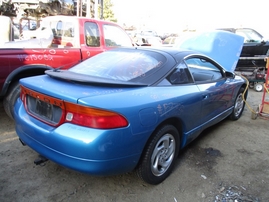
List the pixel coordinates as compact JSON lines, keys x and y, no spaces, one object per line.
{"x":108,"y":13}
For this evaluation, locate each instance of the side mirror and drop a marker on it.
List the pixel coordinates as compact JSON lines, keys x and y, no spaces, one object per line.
{"x":229,"y":75}
{"x":263,"y":42}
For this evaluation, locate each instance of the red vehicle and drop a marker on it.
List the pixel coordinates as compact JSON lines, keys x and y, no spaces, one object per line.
{"x":60,"y":42}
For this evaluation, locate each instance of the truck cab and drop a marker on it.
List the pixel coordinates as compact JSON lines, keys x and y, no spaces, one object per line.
{"x":59,"y":42}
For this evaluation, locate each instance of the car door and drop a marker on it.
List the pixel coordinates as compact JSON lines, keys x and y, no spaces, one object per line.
{"x":190,"y":100}
{"x":214,"y":90}
{"x":92,"y":39}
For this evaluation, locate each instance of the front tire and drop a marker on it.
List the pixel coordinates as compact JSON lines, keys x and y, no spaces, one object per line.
{"x":239,"y":105}
{"x":159,"y":155}
{"x":9,"y":100}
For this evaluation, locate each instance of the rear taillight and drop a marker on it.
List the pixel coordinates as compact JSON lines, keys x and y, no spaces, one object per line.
{"x":75,"y":113}
{"x":93,"y":117}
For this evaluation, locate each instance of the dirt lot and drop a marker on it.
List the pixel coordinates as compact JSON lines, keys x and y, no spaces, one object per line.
{"x":228,"y":162}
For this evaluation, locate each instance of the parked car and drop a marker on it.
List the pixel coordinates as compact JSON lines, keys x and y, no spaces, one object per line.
{"x":154,"y":41}
{"x":170,"y":41}
{"x":126,"y":109}
{"x":148,"y":33}
{"x":143,"y":40}
{"x":255,"y":48}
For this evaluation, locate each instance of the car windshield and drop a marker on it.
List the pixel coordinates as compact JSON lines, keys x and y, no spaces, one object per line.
{"x":121,"y":65}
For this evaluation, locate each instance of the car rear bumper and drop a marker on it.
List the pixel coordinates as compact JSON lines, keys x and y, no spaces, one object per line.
{"x":92,"y":151}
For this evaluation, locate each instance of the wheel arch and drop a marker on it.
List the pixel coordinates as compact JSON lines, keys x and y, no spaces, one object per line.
{"x":245,"y":91}
{"x":22,"y":72}
{"x":160,"y":153}
{"x":174,"y":121}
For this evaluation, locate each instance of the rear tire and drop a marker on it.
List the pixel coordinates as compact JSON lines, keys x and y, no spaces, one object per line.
{"x":159,"y":155}
{"x":239,"y":105}
{"x":9,"y":100}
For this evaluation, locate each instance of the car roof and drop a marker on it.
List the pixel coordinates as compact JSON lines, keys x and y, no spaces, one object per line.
{"x":170,"y":58}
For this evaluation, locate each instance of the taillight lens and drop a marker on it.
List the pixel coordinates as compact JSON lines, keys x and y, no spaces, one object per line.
{"x":74,"y":113}
{"x":93,"y":117}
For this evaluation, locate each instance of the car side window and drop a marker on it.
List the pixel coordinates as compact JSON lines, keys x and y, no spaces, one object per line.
{"x":115,"y":36}
{"x":180,"y":75}
{"x":92,"y":36}
{"x":63,"y":33}
{"x":68,"y":30}
{"x":203,"y":70}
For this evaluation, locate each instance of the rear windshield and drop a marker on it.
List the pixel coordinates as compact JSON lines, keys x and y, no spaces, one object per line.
{"x":121,"y":65}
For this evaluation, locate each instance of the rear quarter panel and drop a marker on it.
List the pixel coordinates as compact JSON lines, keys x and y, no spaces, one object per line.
{"x":148,"y":107}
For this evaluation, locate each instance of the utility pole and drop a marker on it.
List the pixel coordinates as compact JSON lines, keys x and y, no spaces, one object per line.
{"x":79,"y":8}
{"x":91,"y":8}
{"x":102,"y":9}
{"x":96,"y":9}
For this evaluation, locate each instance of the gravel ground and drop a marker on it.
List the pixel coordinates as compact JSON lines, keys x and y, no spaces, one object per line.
{"x":229,"y":162}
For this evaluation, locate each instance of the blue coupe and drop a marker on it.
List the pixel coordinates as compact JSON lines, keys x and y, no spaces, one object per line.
{"x":126,"y":109}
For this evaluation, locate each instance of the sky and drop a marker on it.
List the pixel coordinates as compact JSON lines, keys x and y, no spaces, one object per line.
{"x":176,"y":15}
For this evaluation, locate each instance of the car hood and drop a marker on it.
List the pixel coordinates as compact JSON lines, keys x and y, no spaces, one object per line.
{"x":222,"y":46}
